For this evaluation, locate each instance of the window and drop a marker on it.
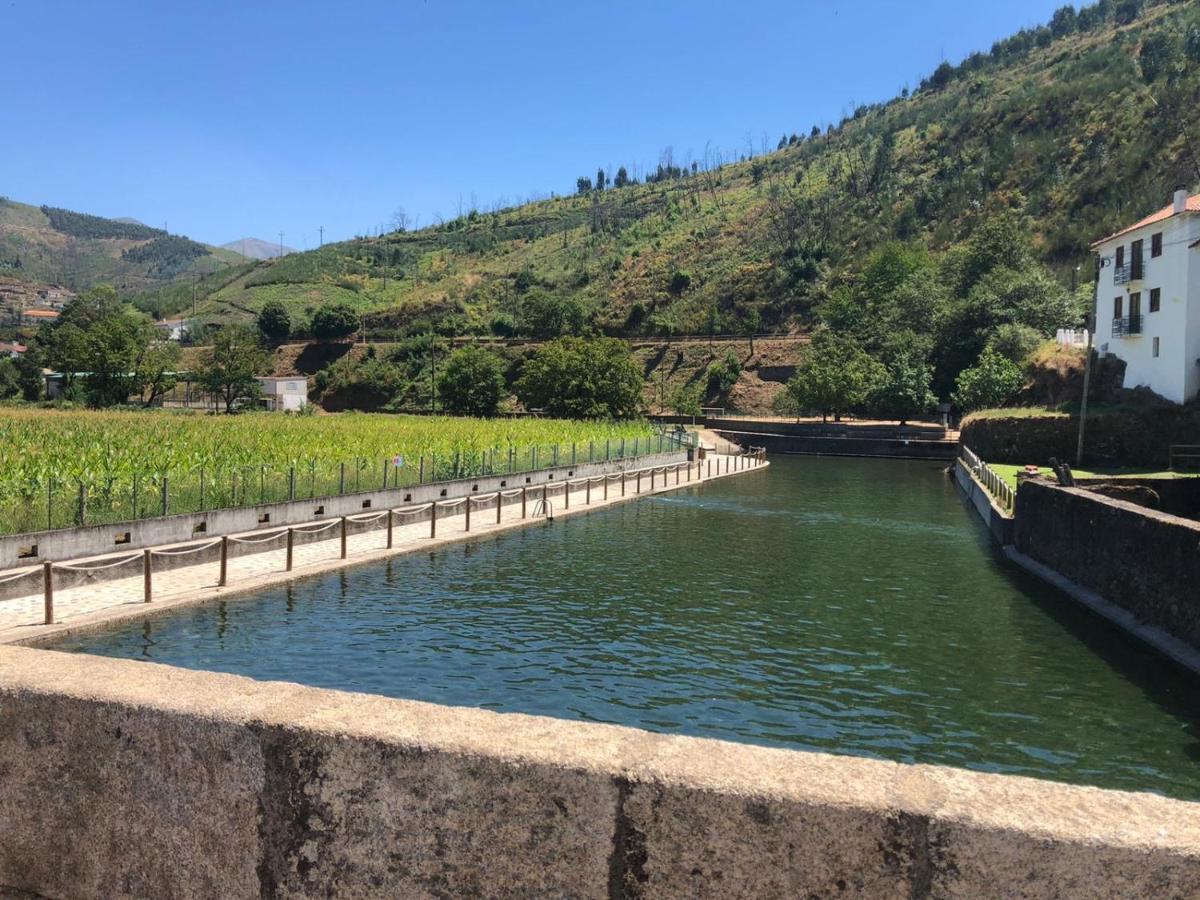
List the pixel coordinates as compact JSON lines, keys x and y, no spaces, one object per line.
{"x":1118,"y":304}
{"x":1155,"y":350}
{"x":1155,"y":299}
{"x":1121,"y":257}
{"x":1135,"y":305}
{"x":1136,"y":263}
{"x":1156,"y":245}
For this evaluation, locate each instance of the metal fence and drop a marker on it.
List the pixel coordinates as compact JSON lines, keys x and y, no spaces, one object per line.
{"x":1184,"y":457}
{"x":995,"y":483}
{"x":61,"y":504}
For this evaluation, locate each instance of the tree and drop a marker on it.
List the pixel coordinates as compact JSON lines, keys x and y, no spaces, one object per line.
{"x":274,"y":323}
{"x":904,"y":390}
{"x":1063,"y":22}
{"x":334,"y":321}
{"x":1156,"y":56}
{"x":229,"y":367}
{"x":583,"y":379}
{"x":547,"y":315}
{"x":10,"y":379}
{"x":993,"y":381}
{"x":1127,"y":11}
{"x":472,"y":383}
{"x":601,"y":179}
{"x":400,"y":220}
{"x":100,"y":339}
{"x":751,"y":324}
{"x":621,"y":179}
{"x":834,"y":375}
{"x":583,"y":185}
{"x":155,"y":368}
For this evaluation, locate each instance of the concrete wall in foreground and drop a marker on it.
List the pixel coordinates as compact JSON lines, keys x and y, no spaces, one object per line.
{"x":96,"y":540}
{"x":1144,"y":561}
{"x":122,"y":778}
{"x":998,"y":523}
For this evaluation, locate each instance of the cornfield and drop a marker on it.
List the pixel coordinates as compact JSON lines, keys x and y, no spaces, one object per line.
{"x":60,"y":468}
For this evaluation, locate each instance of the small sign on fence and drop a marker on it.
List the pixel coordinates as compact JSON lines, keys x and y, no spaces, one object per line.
{"x":397,"y":462}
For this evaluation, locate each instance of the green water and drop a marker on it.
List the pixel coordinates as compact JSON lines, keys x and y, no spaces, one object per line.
{"x":853,"y":606}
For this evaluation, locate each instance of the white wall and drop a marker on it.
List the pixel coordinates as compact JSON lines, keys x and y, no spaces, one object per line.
{"x":1174,"y":373}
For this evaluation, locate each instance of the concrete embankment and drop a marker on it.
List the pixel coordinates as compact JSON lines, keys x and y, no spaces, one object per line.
{"x":838,"y":439}
{"x":130,"y":778}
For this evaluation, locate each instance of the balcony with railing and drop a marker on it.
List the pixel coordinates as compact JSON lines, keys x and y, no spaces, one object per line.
{"x":1126,"y":326}
{"x":1134,"y":270}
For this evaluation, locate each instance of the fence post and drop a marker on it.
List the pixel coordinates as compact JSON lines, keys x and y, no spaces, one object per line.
{"x":385,"y":471}
{"x":499,"y":507}
{"x":639,"y":483}
{"x":202,"y":488}
{"x":146,"y":590}
{"x":341,"y":478}
{"x":567,"y":494}
{"x":433,"y":519}
{"x":81,"y":509}
{"x":524,"y":499}
{"x":710,"y":467}
{"x":591,"y":451}
{"x":677,"y":475}
{"x":389,"y":528}
{"x":651,"y":479}
{"x":344,"y":537}
{"x":624,"y":475}
{"x":607,"y":449}
{"x":556,"y":454}
{"x":467,"y":506}
{"x":291,"y":547}
{"x":572,"y":453}
{"x":48,"y":592}
{"x":606,"y":480}
{"x":587,"y":496}
{"x":512,"y":458}
{"x":292,"y":483}
{"x":166,"y":496}
{"x":689,"y":474}
{"x":224,"y":561}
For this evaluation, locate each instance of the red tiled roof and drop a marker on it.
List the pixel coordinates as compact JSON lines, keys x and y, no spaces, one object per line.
{"x":1193,"y":205}
{"x":42,"y":313}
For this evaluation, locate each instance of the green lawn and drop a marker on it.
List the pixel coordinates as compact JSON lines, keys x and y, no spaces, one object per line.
{"x":1009,"y":473}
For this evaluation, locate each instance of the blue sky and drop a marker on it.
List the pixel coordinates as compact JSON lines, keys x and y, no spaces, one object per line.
{"x":227,"y":119}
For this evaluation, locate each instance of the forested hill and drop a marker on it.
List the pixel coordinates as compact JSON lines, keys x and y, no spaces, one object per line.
{"x":1068,"y":130}
{"x":79,"y":251}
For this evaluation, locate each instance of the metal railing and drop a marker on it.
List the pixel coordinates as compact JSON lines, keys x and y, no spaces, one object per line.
{"x":993,"y":482}
{"x":1187,"y":454}
{"x":1124,"y":326}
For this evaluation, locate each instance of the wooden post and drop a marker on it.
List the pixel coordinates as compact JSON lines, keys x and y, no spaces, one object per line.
{"x":344,"y":520}
{"x":467,"y":505}
{"x":710,"y":467}
{"x":677,"y":475}
{"x":652,"y":479}
{"x":146,"y":591}
{"x":606,"y":480}
{"x":689,"y":473}
{"x":567,"y":494}
{"x":499,"y":507}
{"x":48,"y":591}
{"x":291,"y":547}
{"x":389,"y":528}
{"x":639,"y":482}
{"x":224,"y":561}
{"x":433,"y":519}
{"x":524,"y":499}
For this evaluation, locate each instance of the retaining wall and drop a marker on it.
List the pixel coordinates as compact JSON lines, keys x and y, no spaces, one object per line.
{"x":1144,"y":561}
{"x":135,"y":779}
{"x":96,"y":540}
{"x":998,"y":522}
{"x":837,"y":445}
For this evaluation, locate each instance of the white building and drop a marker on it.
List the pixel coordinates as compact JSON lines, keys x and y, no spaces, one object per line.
{"x":287,"y":394}
{"x":1148,"y":299}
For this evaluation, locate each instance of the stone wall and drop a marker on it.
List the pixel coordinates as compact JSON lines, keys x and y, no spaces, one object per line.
{"x":849,"y":444}
{"x":1145,"y":561}
{"x":123,"y":778}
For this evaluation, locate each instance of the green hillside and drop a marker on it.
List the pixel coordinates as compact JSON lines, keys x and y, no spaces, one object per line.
{"x":47,"y":244}
{"x":1075,"y":127}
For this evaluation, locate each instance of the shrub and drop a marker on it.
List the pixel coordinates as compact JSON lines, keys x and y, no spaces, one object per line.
{"x":472,"y":383}
{"x":274,"y":323}
{"x":993,"y":381}
{"x":724,"y":373}
{"x":334,"y":321}
{"x":583,"y":379}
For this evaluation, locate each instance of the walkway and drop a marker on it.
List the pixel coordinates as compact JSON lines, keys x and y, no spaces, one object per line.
{"x":94,"y":601}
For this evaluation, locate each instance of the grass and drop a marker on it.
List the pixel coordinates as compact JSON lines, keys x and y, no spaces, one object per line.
{"x":1009,"y":473}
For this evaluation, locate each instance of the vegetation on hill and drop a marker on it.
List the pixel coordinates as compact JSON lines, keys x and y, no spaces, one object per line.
{"x":80,"y":251}
{"x":1056,"y":135}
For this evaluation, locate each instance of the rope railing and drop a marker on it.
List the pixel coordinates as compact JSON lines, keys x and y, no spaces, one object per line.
{"x":540,"y":493}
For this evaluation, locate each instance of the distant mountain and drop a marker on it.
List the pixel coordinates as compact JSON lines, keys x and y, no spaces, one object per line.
{"x":256,"y":248}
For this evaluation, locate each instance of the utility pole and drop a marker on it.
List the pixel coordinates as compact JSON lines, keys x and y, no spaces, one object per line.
{"x":281,"y":243}
{"x":321,"y":230}
{"x":193,"y":295}
{"x":432,"y":373}
{"x":1087,"y":367}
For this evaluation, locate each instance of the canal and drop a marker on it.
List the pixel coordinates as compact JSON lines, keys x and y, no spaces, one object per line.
{"x":850,"y":606}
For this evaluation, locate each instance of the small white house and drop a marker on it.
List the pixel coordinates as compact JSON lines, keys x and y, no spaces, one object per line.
{"x":1148,"y":299}
{"x":287,"y":394}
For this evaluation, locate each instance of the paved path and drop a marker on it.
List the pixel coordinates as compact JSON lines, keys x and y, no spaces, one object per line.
{"x":22,"y":618}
